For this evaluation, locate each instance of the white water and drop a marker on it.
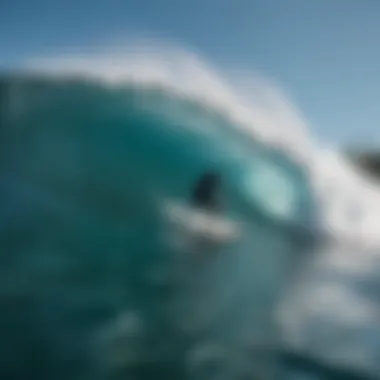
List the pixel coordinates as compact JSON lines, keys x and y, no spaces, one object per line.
{"x":255,"y":104}
{"x":329,"y":317}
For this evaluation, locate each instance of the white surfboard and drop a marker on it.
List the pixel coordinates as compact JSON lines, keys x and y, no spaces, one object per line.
{"x":200,"y":226}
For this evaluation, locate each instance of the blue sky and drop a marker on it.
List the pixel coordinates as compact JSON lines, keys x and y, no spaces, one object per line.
{"x":325,"y":53}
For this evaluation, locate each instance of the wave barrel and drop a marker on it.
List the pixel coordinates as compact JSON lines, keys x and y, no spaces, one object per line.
{"x":141,"y":235}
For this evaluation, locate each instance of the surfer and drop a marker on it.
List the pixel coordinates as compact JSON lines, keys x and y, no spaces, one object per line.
{"x":212,"y":229}
{"x":207,"y":192}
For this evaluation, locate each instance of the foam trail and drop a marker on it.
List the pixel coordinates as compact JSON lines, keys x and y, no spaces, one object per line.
{"x":350,"y":202}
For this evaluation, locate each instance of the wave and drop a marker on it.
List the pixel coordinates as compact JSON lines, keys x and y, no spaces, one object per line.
{"x":113,"y":275}
{"x":255,"y":105}
{"x":95,"y":146}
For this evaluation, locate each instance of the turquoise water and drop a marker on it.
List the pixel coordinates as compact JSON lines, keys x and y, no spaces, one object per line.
{"x":96,"y":280}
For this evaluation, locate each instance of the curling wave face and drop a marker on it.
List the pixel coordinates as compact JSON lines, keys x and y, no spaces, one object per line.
{"x":108,"y":269}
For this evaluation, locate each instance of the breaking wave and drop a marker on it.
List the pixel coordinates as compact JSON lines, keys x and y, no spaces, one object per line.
{"x":96,"y":146}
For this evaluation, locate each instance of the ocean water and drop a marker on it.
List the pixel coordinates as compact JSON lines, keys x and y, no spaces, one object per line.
{"x":108,"y":271}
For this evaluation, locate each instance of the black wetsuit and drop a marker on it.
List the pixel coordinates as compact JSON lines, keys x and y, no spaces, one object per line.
{"x":206,"y":192}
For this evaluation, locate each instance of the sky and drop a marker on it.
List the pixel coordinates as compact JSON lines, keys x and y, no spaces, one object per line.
{"x":324,"y":53}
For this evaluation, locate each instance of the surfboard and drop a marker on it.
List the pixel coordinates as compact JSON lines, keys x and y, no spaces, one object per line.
{"x":199,"y":226}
